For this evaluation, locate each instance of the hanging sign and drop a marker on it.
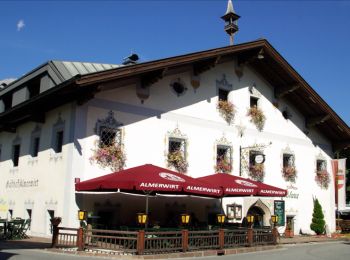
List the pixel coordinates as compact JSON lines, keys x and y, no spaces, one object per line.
{"x":260,"y":158}
{"x":279,"y":210}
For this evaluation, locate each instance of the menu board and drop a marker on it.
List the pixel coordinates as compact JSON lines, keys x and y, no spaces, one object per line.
{"x":279,"y":211}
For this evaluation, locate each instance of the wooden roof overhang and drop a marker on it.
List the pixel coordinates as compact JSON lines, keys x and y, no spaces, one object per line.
{"x":273,"y":67}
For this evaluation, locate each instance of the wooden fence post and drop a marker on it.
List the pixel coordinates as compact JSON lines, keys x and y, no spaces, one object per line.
{"x":184,"y":240}
{"x":275,"y":235}
{"x":250,"y":235}
{"x":80,"y":239}
{"x":221,"y":238}
{"x":140,"y":242}
{"x":55,"y":230}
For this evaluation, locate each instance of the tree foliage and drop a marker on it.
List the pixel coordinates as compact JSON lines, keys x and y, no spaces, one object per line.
{"x":318,"y":223}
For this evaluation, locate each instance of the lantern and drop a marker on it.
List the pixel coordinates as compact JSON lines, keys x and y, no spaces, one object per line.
{"x":185,"y":219}
{"x":141,"y":218}
{"x":82,"y":215}
{"x":274,"y":219}
{"x":221,"y":218}
{"x":250,"y":219}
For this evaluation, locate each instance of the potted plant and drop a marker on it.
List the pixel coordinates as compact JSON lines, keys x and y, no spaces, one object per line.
{"x":223,"y":166}
{"x":289,"y":173}
{"x":256,"y":171}
{"x":322,"y":178}
{"x":111,"y":156}
{"x":176,"y":159}
{"x":227,"y":110}
{"x":257,"y":117}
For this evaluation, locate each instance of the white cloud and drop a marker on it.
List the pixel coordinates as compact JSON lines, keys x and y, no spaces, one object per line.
{"x":20,"y":25}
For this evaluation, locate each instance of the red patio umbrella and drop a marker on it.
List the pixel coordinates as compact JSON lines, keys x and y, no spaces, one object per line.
{"x":238,"y":186}
{"x":150,"y":178}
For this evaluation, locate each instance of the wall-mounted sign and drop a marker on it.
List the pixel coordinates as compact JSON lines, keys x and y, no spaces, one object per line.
{"x":234,"y":211}
{"x":279,"y":210}
{"x":259,"y":158}
{"x":20,"y":183}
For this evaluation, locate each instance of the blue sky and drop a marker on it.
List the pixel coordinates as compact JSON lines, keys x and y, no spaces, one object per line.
{"x":313,"y":36}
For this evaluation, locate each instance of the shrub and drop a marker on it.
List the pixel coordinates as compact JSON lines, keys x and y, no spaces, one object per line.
{"x":318,"y":223}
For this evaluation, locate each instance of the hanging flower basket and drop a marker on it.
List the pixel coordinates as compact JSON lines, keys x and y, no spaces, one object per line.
{"x":176,"y":159}
{"x":111,"y":156}
{"x":257,"y":117}
{"x":323,"y":179}
{"x":256,"y":172}
{"x":289,"y":173}
{"x":223,"y":166}
{"x":227,"y":110}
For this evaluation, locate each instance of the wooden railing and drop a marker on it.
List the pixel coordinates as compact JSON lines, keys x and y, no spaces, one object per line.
{"x":262,"y":236}
{"x":155,"y":242}
{"x":236,"y":238}
{"x":203,"y":240}
{"x":125,"y":241}
{"x":67,"y":237}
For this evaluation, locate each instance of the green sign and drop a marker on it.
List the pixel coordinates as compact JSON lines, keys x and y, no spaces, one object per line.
{"x":279,"y":211}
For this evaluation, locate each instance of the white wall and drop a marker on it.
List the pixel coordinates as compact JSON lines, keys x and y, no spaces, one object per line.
{"x":145,"y":135}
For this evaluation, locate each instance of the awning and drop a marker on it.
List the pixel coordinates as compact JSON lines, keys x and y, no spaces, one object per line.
{"x":150,"y":178}
{"x":238,"y":186}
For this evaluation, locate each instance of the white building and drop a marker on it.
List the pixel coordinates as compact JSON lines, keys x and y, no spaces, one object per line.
{"x":53,"y":118}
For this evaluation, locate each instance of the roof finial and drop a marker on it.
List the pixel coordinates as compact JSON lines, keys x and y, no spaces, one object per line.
{"x":230,"y":7}
{"x":230,"y":17}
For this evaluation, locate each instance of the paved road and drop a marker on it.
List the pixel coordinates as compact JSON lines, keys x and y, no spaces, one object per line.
{"x":317,"y":251}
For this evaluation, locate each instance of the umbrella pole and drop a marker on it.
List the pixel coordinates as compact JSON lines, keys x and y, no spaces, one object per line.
{"x":221,"y":209}
{"x":146,"y":224}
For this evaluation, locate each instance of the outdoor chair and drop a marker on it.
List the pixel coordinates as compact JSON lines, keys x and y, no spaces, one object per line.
{"x":25,"y":227}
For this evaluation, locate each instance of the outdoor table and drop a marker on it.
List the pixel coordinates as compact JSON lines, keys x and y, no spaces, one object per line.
{"x":3,"y":223}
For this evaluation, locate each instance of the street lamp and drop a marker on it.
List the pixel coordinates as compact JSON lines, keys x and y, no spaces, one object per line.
{"x":250,"y":219}
{"x":274,"y":219}
{"x":221,"y":218}
{"x":142,"y":218}
{"x":185,"y":219}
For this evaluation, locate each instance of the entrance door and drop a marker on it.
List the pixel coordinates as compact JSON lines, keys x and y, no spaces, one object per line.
{"x":290,"y":223}
{"x":258,"y":214}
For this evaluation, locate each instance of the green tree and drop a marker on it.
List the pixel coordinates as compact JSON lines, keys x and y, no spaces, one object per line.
{"x":318,"y":223}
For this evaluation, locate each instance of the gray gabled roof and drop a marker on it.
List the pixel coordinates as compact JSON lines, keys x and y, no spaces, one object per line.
{"x":59,"y":72}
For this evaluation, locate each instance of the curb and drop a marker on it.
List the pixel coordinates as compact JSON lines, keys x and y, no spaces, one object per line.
{"x":229,"y":251}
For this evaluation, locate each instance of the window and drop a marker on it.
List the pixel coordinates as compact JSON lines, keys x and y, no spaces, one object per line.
{"x":29,"y":216}
{"x":252,"y":155}
{"x":254,"y":101}
{"x":288,"y":160}
{"x":16,"y":153}
{"x":10,"y":214}
{"x":223,"y":159}
{"x":50,"y":215}
{"x":59,"y":141}
{"x":176,"y":144}
{"x":223,"y":94}
{"x":109,"y":136}
{"x":321,"y":165}
{"x":35,"y":147}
